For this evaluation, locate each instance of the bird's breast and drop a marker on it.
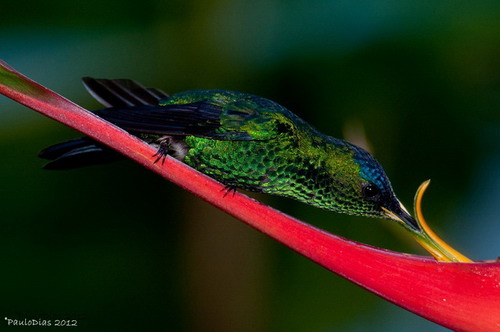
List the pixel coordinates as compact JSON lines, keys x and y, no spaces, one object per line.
{"x":279,"y":168}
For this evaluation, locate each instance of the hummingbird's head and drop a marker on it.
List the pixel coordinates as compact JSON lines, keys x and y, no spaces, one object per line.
{"x":373,"y":194}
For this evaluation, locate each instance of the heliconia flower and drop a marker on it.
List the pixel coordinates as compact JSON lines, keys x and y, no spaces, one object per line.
{"x":428,"y":239}
{"x":460,"y":296}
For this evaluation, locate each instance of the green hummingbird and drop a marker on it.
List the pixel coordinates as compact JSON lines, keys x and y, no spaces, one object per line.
{"x":243,"y":141}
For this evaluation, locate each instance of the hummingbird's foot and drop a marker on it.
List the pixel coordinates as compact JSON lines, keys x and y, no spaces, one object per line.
{"x":161,"y":154}
{"x":169,"y":146}
{"x":164,"y":147}
{"x":164,"y":144}
{"x":228,"y":189}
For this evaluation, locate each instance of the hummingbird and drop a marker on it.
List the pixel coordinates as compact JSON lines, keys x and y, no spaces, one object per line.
{"x":243,"y":141}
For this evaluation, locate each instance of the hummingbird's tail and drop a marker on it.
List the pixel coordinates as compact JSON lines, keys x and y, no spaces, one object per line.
{"x":77,"y":153}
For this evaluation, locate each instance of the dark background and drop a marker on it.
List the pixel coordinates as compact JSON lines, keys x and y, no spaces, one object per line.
{"x":119,"y":248}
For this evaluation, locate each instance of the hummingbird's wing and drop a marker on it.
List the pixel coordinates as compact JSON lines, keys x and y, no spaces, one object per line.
{"x":202,"y":119}
{"x":189,"y":119}
{"x":122,"y":92}
{"x":235,"y":116}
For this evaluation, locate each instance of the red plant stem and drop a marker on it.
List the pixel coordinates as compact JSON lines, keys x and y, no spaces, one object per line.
{"x":455,"y":295}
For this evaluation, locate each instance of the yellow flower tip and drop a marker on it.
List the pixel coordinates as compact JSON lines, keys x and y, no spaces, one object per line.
{"x":428,"y":239}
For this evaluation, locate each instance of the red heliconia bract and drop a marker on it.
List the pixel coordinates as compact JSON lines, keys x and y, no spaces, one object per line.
{"x":456,"y":295}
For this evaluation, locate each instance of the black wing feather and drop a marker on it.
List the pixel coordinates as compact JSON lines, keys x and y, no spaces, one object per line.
{"x":77,"y":153}
{"x":55,"y":151}
{"x":137,"y":109}
{"x":199,"y":119}
{"x":122,"y":92}
{"x":157,"y":93}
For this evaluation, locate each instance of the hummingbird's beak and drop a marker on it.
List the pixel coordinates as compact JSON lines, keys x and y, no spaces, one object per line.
{"x":422,"y":232}
{"x":402,"y":216}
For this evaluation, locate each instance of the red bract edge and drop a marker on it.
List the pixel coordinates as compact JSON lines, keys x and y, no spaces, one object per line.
{"x":456,"y":295}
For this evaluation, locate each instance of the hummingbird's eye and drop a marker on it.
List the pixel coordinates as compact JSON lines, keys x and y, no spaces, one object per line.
{"x":371,"y":191}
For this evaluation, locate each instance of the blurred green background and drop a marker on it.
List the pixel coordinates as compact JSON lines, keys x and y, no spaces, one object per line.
{"x":119,"y":248}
